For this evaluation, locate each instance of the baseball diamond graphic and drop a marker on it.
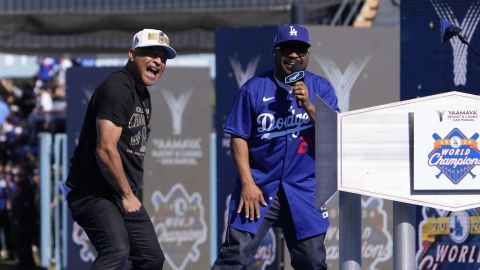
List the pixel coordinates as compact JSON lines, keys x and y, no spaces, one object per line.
{"x":455,"y":155}
{"x":87,"y":251}
{"x":179,"y":222}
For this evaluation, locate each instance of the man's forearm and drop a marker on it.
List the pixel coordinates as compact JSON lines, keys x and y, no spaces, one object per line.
{"x":112,"y":169}
{"x":311,"y":112}
{"x":241,"y":157}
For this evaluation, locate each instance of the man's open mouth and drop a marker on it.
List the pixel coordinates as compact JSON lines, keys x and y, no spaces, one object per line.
{"x":152,"y":70}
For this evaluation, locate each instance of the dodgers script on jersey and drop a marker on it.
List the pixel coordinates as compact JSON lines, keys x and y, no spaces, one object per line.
{"x":281,"y":140}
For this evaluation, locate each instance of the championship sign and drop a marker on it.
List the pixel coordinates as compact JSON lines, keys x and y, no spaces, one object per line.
{"x":412,"y":151}
{"x":176,"y":186}
{"x":448,"y":240}
{"x":376,"y":239}
{"x":180,"y":225}
{"x":446,"y":155}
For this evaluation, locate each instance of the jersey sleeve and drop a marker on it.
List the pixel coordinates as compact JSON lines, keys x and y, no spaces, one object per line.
{"x":328,"y":94}
{"x":239,"y":121}
{"x":115,"y":103}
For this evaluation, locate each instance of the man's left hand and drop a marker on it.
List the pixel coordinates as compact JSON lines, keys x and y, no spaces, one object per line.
{"x":300,"y":91}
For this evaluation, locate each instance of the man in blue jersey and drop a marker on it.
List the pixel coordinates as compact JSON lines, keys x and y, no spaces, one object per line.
{"x":273,"y":146}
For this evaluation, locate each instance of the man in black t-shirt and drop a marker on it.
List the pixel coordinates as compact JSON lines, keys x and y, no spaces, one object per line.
{"x":106,"y":171}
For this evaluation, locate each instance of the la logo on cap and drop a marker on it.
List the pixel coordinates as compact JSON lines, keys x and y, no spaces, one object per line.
{"x":293,"y":31}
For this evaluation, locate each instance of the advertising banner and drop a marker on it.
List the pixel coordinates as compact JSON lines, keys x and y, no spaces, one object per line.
{"x":237,"y":60}
{"x":446,"y":152}
{"x":360,"y":78}
{"x":176,"y":190}
{"x":362,"y":65}
{"x":376,"y":239}
{"x":177,"y":166}
{"x":430,"y":66}
{"x":446,"y":240}
{"x":81,"y":82}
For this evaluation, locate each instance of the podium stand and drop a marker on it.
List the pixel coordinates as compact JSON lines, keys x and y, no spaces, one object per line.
{"x":416,"y":152}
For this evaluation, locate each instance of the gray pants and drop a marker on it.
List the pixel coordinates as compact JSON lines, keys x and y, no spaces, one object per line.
{"x":240,"y":247}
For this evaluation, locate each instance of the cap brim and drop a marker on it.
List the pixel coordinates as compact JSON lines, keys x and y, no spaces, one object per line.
{"x":292,"y":41}
{"x":171,"y":53}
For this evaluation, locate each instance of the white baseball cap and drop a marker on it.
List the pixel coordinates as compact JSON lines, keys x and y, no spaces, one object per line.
{"x":152,"y":37}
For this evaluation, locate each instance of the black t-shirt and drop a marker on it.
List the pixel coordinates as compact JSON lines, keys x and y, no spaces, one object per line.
{"x":127,"y":105}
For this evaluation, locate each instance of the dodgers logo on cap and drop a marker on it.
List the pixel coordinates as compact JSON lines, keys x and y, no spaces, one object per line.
{"x":291,"y":32}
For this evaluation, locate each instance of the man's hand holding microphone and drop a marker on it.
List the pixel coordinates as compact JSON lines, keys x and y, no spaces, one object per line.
{"x":300,"y":90}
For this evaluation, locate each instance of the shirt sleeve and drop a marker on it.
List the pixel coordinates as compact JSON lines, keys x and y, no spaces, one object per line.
{"x":115,"y":103}
{"x":239,"y":121}
{"x":328,"y":95}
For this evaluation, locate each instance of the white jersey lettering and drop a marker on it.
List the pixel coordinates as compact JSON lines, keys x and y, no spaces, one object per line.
{"x":291,"y":124}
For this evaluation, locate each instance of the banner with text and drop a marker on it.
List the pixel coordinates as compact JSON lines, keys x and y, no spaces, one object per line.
{"x":362,"y":65}
{"x":236,"y":62}
{"x":176,"y":190}
{"x":430,"y":66}
{"x":446,"y":152}
{"x":177,"y":166}
{"x":81,"y":82}
{"x":446,"y":240}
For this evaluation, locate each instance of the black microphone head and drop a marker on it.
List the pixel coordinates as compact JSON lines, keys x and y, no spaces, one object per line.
{"x":297,"y":66}
{"x":455,"y":30}
{"x":296,"y":74}
{"x":448,"y":30}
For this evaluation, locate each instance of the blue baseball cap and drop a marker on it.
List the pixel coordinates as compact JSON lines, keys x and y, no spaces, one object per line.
{"x":291,"y":32}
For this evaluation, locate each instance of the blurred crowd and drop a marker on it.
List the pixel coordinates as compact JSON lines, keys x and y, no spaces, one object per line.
{"x":26,"y":109}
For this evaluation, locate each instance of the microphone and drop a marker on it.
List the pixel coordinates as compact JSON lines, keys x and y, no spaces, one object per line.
{"x":449,"y":30}
{"x":455,"y":30}
{"x":296,"y":76}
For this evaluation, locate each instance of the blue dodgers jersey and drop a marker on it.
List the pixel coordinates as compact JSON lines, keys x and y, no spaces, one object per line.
{"x":281,"y":140}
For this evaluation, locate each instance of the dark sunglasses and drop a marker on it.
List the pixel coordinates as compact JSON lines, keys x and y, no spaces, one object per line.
{"x":150,"y":52}
{"x":301,"y":51}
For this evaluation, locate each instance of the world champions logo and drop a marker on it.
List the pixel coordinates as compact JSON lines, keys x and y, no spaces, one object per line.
{"x":455,"y":155}
{"x":180,"y":224}
{"x":448,"y":240}
{"x":87,"y":251}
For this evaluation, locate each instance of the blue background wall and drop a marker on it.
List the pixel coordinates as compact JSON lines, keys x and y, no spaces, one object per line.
{"x":426,"y":62}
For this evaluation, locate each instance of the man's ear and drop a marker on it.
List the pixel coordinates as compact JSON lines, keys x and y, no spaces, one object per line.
{"x":131,"y":55}
{"x":274,"y":50}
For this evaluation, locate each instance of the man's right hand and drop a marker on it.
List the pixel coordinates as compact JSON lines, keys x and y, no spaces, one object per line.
{"x":249,"y":199}
{"x":130,"y":203}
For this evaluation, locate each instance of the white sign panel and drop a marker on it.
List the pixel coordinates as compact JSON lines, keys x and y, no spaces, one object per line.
{"x":446,"y":155}
{"x":434,"y":165}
